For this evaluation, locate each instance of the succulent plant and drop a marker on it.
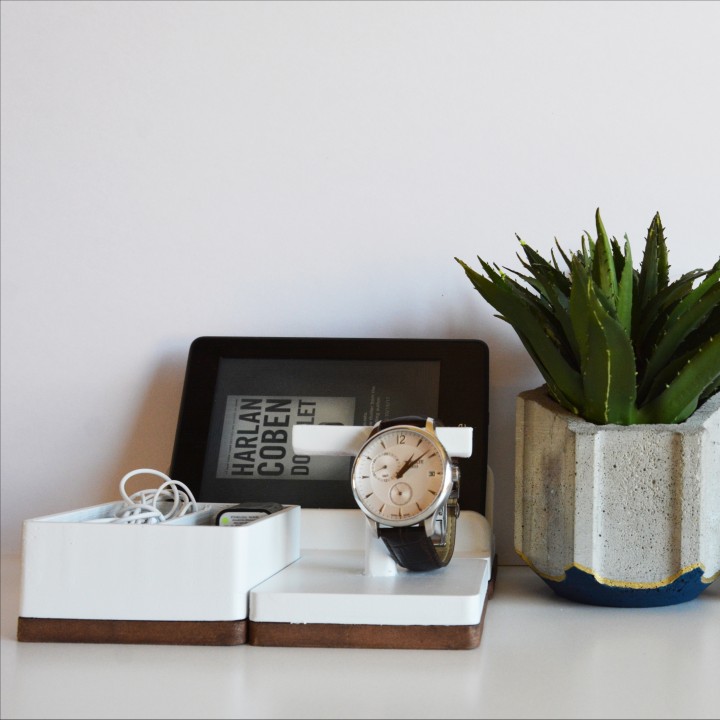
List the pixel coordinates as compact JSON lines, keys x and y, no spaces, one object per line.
{"x":613,"y":343}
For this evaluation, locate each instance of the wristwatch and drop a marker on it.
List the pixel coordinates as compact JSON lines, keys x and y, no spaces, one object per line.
{"x":408,"y":487}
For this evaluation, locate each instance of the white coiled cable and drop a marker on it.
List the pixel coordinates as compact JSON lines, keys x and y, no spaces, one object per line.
{"x":142,"y":506}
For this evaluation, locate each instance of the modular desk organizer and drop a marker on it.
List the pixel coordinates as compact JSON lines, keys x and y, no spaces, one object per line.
{"x":180,"y":582}
{"x":310,"y":577}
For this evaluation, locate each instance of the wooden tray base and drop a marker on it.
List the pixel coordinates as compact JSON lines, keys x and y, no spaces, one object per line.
{"x":240,"y":632}
{"x":141,"y":632}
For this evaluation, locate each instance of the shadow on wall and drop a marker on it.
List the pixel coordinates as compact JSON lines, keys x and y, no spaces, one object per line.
{"x":511,"y":372}
{"x":151,"y":436}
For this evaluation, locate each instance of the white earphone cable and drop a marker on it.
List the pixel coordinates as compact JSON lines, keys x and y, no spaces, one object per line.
{"x":142,"y":506}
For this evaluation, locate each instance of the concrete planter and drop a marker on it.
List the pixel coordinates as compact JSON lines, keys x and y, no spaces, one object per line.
{"x":619,"y":516}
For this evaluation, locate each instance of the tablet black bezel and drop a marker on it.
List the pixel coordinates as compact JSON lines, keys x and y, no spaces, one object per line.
{"x":463,"y":400}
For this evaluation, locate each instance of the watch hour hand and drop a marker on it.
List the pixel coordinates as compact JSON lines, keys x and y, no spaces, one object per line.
{"x":405,"y":466}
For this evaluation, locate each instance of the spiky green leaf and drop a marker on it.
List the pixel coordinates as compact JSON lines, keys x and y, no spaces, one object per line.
{"x":709,"y":284}
{"x":554,"y":287}
{"x":625,"y":292}
{"x":710,"y":390}
{"x":660,"y":306}
{"x":541,"y":267}
{"x":654,"y":265}
{"x":564,"y":255}
{"x":607,"y":338}
{"x":682,"y":395}
{"x":606,"y":353}
{"x":696,"y":310}
{"x":603,"y":267}
{"x":528,"y":324}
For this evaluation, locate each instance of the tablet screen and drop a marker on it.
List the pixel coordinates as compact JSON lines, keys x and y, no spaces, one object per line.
{"x":242,"y":396}
{"x":257,"y":402}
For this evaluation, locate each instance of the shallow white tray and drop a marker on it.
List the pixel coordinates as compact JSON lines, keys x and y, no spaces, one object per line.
{"x":173,"y":571}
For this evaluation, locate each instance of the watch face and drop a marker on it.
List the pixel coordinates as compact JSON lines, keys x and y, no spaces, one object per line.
{"x":401,"y":476}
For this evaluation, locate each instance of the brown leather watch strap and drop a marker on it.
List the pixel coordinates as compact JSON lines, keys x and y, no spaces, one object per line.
{"x":413,"y":549}
{"x":414,"y":420}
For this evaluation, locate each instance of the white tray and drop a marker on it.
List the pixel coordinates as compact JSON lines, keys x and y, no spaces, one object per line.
{"x":170,"y":571}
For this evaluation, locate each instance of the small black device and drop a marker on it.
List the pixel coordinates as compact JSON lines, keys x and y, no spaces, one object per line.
{"x":243,"y":395}
{"x":246,"y":512}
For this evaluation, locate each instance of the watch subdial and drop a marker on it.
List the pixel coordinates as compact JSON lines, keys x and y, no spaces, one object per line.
{"x":385,"y":466}
{"x":400,"y":493}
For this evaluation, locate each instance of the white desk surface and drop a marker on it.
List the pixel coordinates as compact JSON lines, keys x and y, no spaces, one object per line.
{"x":539,"y":656}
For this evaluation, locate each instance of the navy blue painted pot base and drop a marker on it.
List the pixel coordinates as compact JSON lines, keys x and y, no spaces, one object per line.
{"x":583,"y":587}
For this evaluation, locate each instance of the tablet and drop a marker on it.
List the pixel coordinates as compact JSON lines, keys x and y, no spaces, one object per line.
{"x":242,"y":396}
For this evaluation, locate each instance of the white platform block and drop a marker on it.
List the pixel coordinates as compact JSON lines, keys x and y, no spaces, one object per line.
{"x":330,"y":583}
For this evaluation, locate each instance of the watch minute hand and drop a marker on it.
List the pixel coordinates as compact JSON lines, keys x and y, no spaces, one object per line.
{"x":410,"y":463}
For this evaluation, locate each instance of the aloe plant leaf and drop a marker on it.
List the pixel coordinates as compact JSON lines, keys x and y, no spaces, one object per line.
{"x":614,"y":344}
{"x":654,"y":265}
{"x":609,"y":385}
{"x":625,"y":292}
{"x":668,"y":373}
{"x":681,"y":396}
{"x":528,"y":324}
{"x":710,"y":390}
{"x":607,"y":359}
{"x":603,"y":267}
{"x":618,"y":257}
{"x":534,"y":283}
{"x":547,"y":279}
{"x":500,"y":280}
{"x":663,"y":379}
{"x":659,"y":307}
{"x":553,"y":387}
{"x":580,"y":307}
{"x":554,"y":260}
{"x":587,"y":249}
{"x":676,"y":331}
{"x":648,"y":284}
{"x":709,"y":283}
{"x":540,"y":305}
{"x":709,"y":327}
{"x":559,"y":305}
{"x":663,"y":266}
{"x":692,"y":345}
{"x":537,"y":264}
{"x":538,"y":301}
{"x":544,"y":280}
{"x":564,"y":255}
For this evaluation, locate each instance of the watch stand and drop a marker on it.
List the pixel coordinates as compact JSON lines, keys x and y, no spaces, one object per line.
{"x":377,"y":561}
{"x":346,"y":591}
{"x":341,"y":592}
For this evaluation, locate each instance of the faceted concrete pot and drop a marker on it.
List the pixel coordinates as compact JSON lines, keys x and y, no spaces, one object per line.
{"x":614,"y":515}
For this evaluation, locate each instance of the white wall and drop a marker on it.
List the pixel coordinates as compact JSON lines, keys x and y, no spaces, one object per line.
{"x":176,"y":169}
